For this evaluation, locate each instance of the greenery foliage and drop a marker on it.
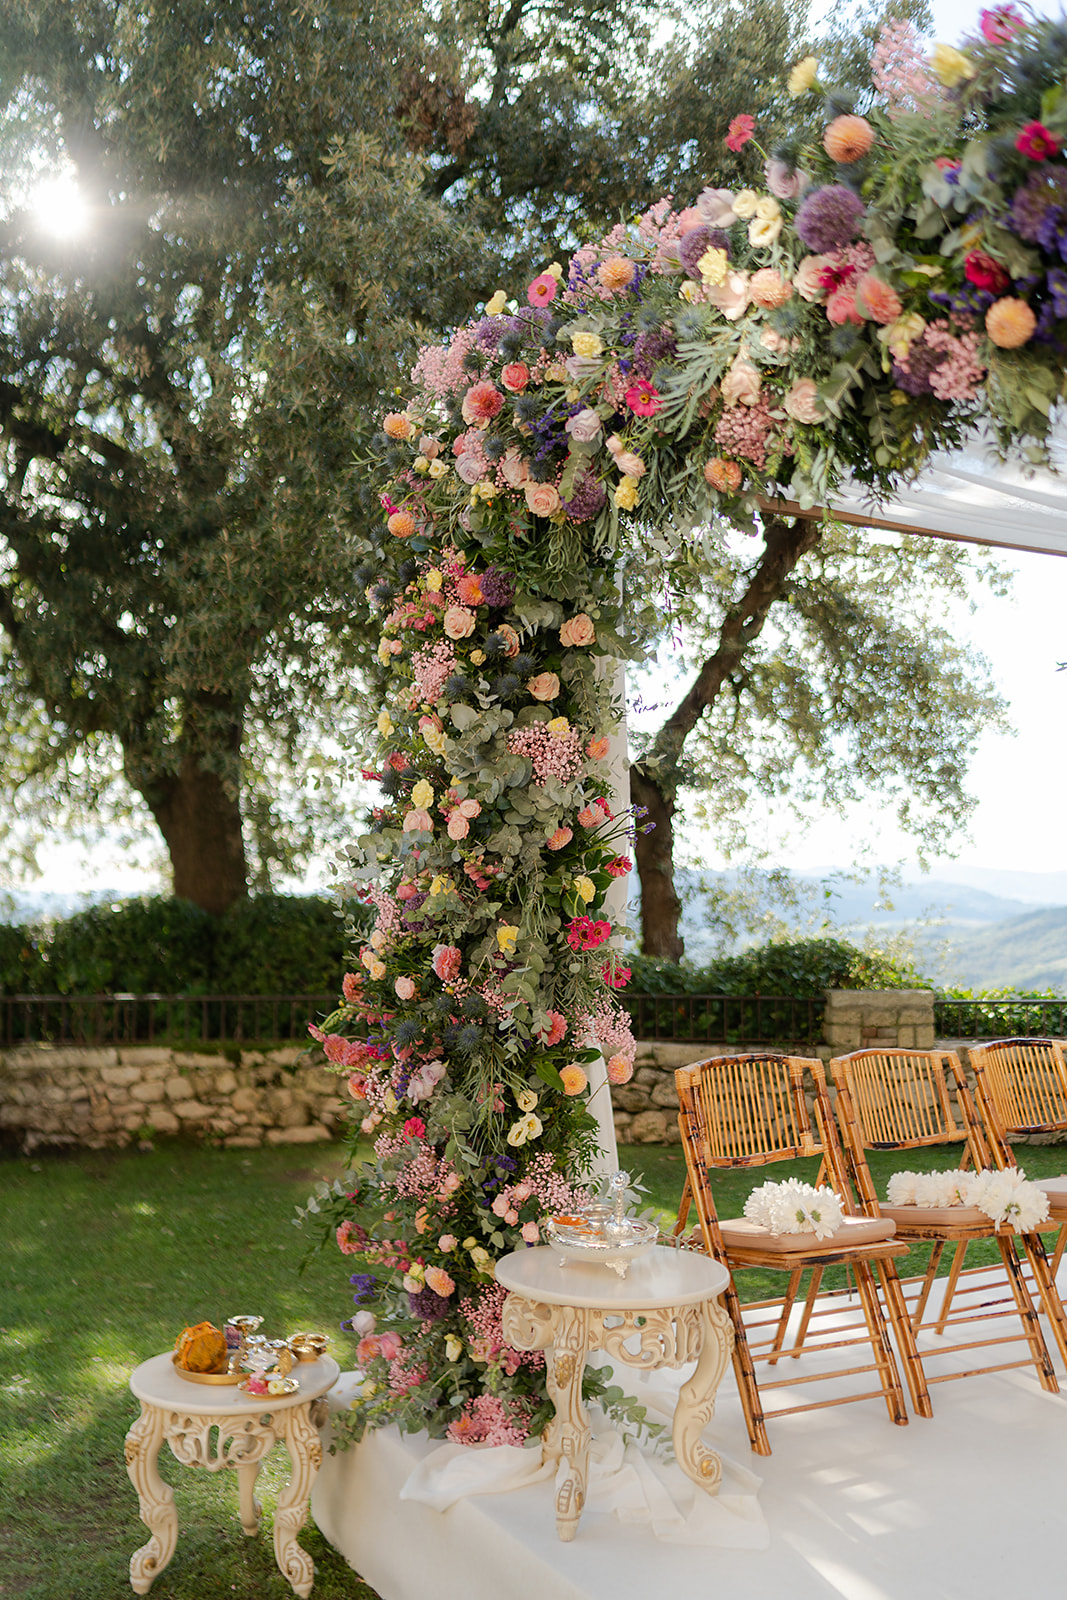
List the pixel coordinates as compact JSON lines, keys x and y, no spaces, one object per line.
{"x":801,"y":967}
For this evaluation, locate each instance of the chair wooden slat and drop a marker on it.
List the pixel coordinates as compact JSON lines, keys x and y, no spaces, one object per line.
{"x":752,"y":1111}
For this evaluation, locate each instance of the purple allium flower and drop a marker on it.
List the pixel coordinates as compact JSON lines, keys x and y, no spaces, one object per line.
{"x":428,"y":1306}
{"x":692,"y":245}
{"x":829,"y":218}
{"x":923,"y":359}
{"x":498,"y":587}
{"x":1043,"y":192}
{"x":586,"y":500}
{"x":489,"y":332}
{"x":652,"y":348}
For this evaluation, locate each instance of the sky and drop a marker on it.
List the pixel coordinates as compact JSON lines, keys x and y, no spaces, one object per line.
{"x":1019,"y":779}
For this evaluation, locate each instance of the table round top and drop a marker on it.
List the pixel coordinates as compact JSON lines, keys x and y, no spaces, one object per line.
{"x":157,"y":1383}
{"x":663,"y":1277}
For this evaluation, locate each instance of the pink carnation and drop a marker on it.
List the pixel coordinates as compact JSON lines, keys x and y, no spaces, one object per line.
{"x":447,"y":960}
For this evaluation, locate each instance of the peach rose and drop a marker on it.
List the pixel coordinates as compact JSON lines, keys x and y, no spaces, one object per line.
{"x":514,"y":468}
{"x":767,"y":288}
{"x":511,"y":639}
{"x":418,"y":821}
{"x":802,"y":401}
{"x":542,"y":498}
{"x":458,"y":826}
{"x":578,"y":630}
{"x":405,"y":988}
{"x":877,"y":299}
{"x":741,"y":385}
{"x":515,"y":377}
{"x":722,"y":474}
{"x":545,"y":686}
{"x":459,"y":623}
{"x":429,"y":447}
{"x":806,"y":278}
{"x":730,"y":296}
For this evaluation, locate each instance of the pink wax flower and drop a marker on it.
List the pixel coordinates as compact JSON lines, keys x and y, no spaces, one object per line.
{"x":643,"y":398}
{"x":740,"y":131}
{"x":542,"y":289}
{"x":1037,"y":142}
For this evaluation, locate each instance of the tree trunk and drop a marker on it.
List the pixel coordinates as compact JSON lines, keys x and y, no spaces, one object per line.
{"x":654,"y":781}
{"x":198,"y":811}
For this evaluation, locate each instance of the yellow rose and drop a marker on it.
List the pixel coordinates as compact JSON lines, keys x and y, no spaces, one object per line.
{"x":689,"y":290}
{"x":385,"y":724}
{"x":385,"y":655}
{"x":951,"y":66}
{"x":585,"y":889}
{"x":588,"y":345}
{"x":802,"y":76}
{"x":434,"y":579}
{"x":435,"y":738}
{"x":559,"y":725}
{"x":453,"y":1349}
{"x":377,"y":970}
{"x":901,"y":334}
{"x":439,"y":885}
{"x":422,"y":794}
{"x":506,"y":936}
{"x":763,"y":231}
{"x":438,"y":469}
{"x":477,"y":657}
{"x":555,"y":269}
{"x":745,"y":203}
{"x":626,"y":493}
{"x":421,"y":463}
{"x":768,"y":208}
{"x":526,"y":1100}
{"x":713,"y":264}
{"x":496,"y":306}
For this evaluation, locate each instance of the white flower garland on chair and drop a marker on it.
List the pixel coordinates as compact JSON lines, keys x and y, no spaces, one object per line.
{"x":1005,"y":1197}
{"x":794,"y":1207}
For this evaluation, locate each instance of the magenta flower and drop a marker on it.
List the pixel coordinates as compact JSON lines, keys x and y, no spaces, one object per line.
{"x":542,"y":290}
{"x":740,"y":132}
{"x":643,"y":398}
{"x":1036,"y":142}
{"x":1001,"y":24}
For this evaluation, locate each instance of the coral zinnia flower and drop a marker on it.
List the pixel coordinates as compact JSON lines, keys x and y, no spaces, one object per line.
{"x":542,"y":290}
{"x":1010,"y":323}
{"x":740,"y":131}
{"x":1037,"y":142}
{"x":847,"y":139}
{"x":643,"y":398}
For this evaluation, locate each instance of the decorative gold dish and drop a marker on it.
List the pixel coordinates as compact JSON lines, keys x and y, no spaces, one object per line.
{"x":308,"y":1346}
{"x":276,"y":1387}
{"x":205,"y":1377}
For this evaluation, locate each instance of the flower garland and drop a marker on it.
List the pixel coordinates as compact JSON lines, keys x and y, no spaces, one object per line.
{"x":1007,"y":1197}
{"x":795,"y":1207}
{"x":886,"y":289}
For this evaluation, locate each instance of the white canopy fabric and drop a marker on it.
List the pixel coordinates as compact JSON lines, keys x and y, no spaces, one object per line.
{"x":969,"y":495}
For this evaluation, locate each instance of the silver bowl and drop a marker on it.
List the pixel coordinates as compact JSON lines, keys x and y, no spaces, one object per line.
{"x":602,"y":1243}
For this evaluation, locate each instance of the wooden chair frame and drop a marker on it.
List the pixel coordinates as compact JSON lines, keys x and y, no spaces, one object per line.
{"x":752,"y":1111}
{"x":894,"y":1099}
{"x":1021,"y":1089}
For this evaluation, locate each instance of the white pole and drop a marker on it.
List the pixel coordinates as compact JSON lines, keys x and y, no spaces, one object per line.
{"x":607,"y":1159}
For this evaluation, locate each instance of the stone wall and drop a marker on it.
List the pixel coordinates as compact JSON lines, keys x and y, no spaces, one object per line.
{"x":114,"y":1096}
{"x":863,"y":1019}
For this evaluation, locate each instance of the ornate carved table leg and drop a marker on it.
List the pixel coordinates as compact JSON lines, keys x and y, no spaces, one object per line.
{"x":156,"y":1499}
{"x":305,"y":1452}
{"x":567,"y":1436}
{"x":251,"y":1510}
{"x":696,"y":1399}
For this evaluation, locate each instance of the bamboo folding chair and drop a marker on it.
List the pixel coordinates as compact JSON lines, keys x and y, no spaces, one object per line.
{"x":751,"y":1111}
{"x":903,"y":1100}
{"x":1021,"y":1089}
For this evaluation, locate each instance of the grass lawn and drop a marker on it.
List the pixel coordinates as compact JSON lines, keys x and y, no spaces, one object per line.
{"x":106,"y":1257}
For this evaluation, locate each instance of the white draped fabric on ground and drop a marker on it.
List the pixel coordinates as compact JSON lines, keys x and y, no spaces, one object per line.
{"x":849,"y":1508}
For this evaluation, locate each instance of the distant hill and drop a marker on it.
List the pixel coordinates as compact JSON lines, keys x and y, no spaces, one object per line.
{"x":1028,"y":952}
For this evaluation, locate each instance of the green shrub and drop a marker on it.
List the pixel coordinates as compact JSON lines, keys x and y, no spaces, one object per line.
{"x":146,"y":946}
{"x":280,"y":944}
{"x":801,"y":967}
{"x":22,"y":964}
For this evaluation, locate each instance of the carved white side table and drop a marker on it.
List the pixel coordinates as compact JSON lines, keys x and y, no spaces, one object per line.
{"x":245,"y":1427}
{"x":666,"y":1309}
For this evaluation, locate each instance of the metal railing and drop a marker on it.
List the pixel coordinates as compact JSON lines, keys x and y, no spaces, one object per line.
{"x":726,"y":1019}
{"x":173,"y":1019}
{"x":999,"y":1019}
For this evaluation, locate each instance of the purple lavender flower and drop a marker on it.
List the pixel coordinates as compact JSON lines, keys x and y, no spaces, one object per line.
{"x":829,"y":218}
{"x":586,"y":499}
{"x":1057,"y":288}
{"x":428,"y":1306}
{"x":693,"y":244}
{"x":364,"y":1284}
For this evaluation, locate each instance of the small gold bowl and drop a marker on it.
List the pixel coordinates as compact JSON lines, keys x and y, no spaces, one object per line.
{"x":308,"y":1346}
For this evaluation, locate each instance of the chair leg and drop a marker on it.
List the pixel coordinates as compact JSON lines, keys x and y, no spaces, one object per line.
{"x":1027,"y":1315}
{"x":788,"y":1302}
{"x":745,"y":1373}
{"x":901,"y":1324}
{"x":880,"y":1346}
{"x":958,"y":1257}
{"x":809,"y":1307}
{"x":928,"y":1283}
{"x":1061,"y":1240}
{"x":1034,"y":1246}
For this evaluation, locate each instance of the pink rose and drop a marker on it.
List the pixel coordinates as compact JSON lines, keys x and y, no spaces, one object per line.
{"x":841,"y":306}
{"x":730,"y":296}
{"x":584,"y":426}
{"x":542,"y":499}
{"x":784,"y":181}
{"x":560,"y":839}
{"x":500,"y":1205}
{"x":458,"y":826}
{"x":470,"y":808}
{"x":429,"y":447}
{"x":716,"y":207}
{"x":364,"y":1322}
{"x":470,"y":467}
{"x":405,"y":988}
{"x":446,"y":961}
{"x":514,"y":468}
{"x":531,"y":1232}
{"x":807,"y":280}
{"x":418,"y":821}
{"x":545,"y":686}
{"x":577,"y":630}
{"x":802,"y":401}
{"x":459,"y":623}
{"x":741,"y":385}
{"x":446,"y":1242}
{"x":877,"y":300}
{"x":391,"y":1345}
{"x":515,"y":376}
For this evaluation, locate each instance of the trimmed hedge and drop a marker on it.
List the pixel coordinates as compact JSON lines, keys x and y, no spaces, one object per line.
{"x":802,"y":967}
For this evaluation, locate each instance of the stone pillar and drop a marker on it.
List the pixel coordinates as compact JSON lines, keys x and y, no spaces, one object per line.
{"x":865,"y":1019}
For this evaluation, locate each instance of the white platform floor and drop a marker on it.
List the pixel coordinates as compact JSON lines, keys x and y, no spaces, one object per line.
{"x":967,"y":1506}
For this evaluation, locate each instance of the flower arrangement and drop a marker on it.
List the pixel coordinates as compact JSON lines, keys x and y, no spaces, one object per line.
{"x":885,"y":289}
{"x":1007,"y":1197}
{"x":795,"y":1207}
